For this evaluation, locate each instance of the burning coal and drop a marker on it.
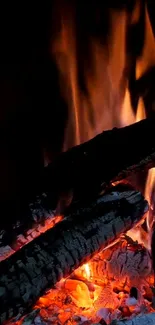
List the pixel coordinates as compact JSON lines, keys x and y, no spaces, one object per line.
{"x":116,"y":283}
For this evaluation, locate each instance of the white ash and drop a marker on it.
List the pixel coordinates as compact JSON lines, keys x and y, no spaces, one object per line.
{"x":5,"y":252}
{"x":107,"y":298}
{"x":131,"y":301}
{"x":104,"y":313}
{"x":122,"y":264}
{"x":148,"y":319}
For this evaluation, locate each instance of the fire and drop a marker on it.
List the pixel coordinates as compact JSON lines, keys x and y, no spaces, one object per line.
{"x":87,"y":270}
{"x":95,"y":84}
{"x":150,"y":196}
{"x":147,"y":58}
{"x":98,"y":99}
{"x":96,"y":88}
{"x":141,"y":113}
{"x":102,"y":288}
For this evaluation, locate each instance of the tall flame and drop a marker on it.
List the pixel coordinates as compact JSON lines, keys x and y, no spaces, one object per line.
{"x":147,"y":58}
{"x":95,"y":85}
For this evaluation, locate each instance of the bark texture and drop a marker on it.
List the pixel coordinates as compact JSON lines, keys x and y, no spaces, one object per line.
{"x":55,"y":254}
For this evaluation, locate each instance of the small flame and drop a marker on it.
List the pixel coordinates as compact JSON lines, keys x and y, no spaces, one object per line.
{"x":150,"y":196}
{"x":147,"y":59}
{"x":137,"y":233}
{"x":127,"y":115}
{"x":141,"y":113}
{"x":87,"y":271}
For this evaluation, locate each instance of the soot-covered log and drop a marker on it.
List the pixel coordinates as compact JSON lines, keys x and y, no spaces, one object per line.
{"x":55,"y":254}
{"x":85,"y":170}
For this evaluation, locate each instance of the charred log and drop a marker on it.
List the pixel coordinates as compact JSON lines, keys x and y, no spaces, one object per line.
{"x":89,"y":168}
{"x":85,"y":170}
{"x":55,"y":254}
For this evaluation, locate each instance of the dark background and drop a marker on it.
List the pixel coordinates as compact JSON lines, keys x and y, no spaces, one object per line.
{"x":32,"y":112}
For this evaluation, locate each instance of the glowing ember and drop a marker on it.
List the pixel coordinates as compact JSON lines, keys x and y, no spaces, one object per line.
{"x":114,"y":284}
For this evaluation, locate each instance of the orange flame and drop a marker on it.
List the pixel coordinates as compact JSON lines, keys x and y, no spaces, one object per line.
{"x":141,"y":114}
{"x":104,"y":101}
{"x":150,"y":196}
{"x":147,"y":58}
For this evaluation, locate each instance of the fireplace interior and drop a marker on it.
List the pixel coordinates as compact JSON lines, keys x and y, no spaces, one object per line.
{"x":77,"y":241}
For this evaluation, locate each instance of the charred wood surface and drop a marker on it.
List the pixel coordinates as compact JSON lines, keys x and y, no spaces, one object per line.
{"x":55,"y":254}
{"x":85,"y":170}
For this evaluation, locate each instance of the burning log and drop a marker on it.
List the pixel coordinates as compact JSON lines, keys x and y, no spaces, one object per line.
{"x":55,"y":254}
{"x":148,"y":319}
{"x":85,"y":170}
